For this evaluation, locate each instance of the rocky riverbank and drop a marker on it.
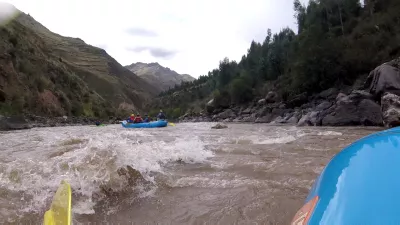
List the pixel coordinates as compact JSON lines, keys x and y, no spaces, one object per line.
{"x":31,"y":121}
{"x":377,"y":103}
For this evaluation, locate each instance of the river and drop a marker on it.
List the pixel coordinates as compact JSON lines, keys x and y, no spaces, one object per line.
{"x":189,"y":174}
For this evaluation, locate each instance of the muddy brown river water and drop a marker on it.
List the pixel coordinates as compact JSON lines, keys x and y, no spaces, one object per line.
{"x":246,"y":174}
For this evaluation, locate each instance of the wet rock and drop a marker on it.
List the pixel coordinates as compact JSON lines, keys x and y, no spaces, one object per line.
{"x":14,"y":123}
{"x":304,"y":120}
{"x":264,"y":119}
{"x":314,"y":118}
{"x":219,"y":126}
{"x":292,"y":120}
{"x":133,"y":176}
{"x":278,"y":119}
{"x":391,"y":110}
{"x":311,"y":118}
{"x":237,"y":120}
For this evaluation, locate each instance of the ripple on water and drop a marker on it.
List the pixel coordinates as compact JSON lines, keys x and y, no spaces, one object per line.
{"x":185,"y":174}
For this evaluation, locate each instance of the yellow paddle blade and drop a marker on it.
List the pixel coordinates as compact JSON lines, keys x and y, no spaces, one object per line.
{"x":60,"y":209}
{"x":171,"y":124}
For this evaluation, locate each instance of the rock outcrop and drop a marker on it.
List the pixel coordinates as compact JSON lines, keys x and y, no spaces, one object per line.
{"x":377,"y":105}
{"x":13,"y":123}
{"x":219,"y":126}
{"x":391,"y":109}
{"x":384,"y":79}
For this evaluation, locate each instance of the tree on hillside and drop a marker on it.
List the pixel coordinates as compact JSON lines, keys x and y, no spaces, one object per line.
{"x":337,"y":41}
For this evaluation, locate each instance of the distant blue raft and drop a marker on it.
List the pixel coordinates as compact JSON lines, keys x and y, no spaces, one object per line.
{"x":154,"y":124}
{"x":360,"y":185}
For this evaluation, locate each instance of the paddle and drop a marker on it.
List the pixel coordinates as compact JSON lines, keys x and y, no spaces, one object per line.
{"x":171,"y":124}
{"x":60,"y":209}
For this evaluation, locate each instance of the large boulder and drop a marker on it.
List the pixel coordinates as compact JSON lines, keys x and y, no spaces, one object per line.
{"x":345,"y":114}
{"x":328,"y":94}
{"x":384,"y":79}
{"x":370,"y":113}
{"x":358,"y":95}
{"x":297,"y":100}
{"x":251,"y":118}
{"x":263,"y":111}
{"x":323,"y":106}
{"x":391,"y":109}
{"x":248,"y":110}
{"x":265,"y":118}
{"x":292,"y":120}
{"x":228,"y":113}
{"x":210,"y":106}
{"x":305,"y":120}
{"x":14,"y":123}
{"x":219,"y":126}
{"x":272,"y":97}
{"x":354,"y":109}
{"x":261,"y":101}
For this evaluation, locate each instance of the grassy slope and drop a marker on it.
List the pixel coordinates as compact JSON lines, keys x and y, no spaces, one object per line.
{"x":45,"y":73}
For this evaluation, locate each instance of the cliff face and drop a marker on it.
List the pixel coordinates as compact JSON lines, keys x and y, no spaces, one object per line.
{"x":159,"y":76}
{"x":44,"y":73}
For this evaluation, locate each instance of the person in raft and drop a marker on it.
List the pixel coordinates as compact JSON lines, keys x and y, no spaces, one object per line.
{"x":131,"y":119}
{"x":161,"y":115}
{"x":138,"y":119}
{"x":146,"y":119}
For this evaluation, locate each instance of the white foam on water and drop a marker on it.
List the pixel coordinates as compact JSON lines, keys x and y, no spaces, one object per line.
{"x":277,"y":140}
{"x":219,"y":180}
{"x":329,"y":133}
{"x":93,"y":159}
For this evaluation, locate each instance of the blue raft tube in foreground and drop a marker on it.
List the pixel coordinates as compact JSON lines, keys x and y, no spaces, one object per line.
{"x":154,"y":124}
{"x":360,"y":185}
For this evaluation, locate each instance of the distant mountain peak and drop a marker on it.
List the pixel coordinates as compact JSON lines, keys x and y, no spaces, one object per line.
{"x":157,"y":75}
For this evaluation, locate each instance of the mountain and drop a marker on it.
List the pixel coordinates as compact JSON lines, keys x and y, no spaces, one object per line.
{"x":44,"y":73}
{"x":161,"y":77}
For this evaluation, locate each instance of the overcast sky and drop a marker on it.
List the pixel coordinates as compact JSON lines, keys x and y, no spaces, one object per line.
{"x":188,"y":36}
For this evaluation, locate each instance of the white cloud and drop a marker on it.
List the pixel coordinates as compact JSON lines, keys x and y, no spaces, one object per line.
{"x":195,"y":34}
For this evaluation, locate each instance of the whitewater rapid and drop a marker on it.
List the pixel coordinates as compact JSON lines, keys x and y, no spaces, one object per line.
{"x":186,"y":157}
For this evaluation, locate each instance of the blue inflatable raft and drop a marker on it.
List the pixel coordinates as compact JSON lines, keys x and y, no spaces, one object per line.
{"x":154,"y":124}
{"x":360,"y":185}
